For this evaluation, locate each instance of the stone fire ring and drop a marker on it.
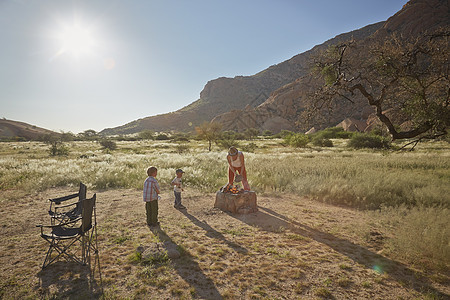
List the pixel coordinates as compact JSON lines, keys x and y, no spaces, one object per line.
{"x":242,"y":203}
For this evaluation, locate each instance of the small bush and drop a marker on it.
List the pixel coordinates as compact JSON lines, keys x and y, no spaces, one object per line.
{"x":267,"y":133}
{"x":283,"y":134}
{"x":146,"y":135}
{"x":162,"y":137}
{"x":180,"y":137}
{"x":251,"y":147}
{"x":360,"y":140}
{"x":226,"y":143}
{"x":251,"y":133}
{"x":297,"y":140}
{"x":58,"y":149}
{"x":108,"y":144}
{"x":334,"y":133}
{"x":321,"y":141}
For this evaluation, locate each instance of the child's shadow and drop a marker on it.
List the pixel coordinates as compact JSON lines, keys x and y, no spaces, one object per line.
{"x":190,"y":271}
{"x":212,"y":233}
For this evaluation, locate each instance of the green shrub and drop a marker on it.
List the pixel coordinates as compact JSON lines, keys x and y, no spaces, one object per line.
{"x":267,"y":133}
{"x":146,"y":135}
{"x":250,"y":147}
{"x":334,"y":133}
{"x":361,"y":140}
{"x":321,"y":141}
{"x":251,"y":133}
{"x":108,"y":144}
{"x":226,"y":143}
{"x":58,"y":149}
{"x":284,"y":133}
{"x":181,"y":137}
{"x":162,"y":137}
{"x":297,"y":140}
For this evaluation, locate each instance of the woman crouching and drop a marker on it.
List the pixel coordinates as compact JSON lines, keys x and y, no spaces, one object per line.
{"x":236,"y":163}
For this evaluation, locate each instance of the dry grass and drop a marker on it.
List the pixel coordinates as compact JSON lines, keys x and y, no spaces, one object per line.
{"x":294,"y":247}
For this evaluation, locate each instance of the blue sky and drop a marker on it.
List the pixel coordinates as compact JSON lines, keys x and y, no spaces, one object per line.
{"x":78,"y":65}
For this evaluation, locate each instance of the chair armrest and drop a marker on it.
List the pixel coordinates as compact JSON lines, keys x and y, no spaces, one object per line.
{"x":68,"y":205}
{"x":64,"y":198}
{"x":58,"y":225}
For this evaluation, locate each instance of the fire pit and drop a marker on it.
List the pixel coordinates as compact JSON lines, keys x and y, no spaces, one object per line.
{"x":231,"y":198}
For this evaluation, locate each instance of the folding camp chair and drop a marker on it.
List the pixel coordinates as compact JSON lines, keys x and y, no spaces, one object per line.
{"x":67,"y":212}
{"x":70,"y":242}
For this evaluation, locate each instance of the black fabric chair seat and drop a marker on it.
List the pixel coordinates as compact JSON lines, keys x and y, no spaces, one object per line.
{"x":62,"y":232}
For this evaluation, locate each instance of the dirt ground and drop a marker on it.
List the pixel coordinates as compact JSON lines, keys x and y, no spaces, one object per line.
{"x":292,"y":248}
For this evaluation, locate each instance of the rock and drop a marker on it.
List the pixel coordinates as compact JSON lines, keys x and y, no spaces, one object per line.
{"x":171,"y":250}
{"x":242,"y":203}
{"x":350,"y":124}
{"x":155,"y":252}
{"x":311,"y":131}
{"x":159,"y":251}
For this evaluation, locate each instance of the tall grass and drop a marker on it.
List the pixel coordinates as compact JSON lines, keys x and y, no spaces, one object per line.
{"x":366,"y":180}
{"x":420,"y":235}
{"x":360,"y":179}
{"x":409,"y":191}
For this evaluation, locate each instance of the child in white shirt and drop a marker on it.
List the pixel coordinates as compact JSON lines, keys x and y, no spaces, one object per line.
{"x":178,"y":188}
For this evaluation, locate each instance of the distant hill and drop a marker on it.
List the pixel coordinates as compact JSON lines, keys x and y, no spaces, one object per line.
{"x":10,"y":130}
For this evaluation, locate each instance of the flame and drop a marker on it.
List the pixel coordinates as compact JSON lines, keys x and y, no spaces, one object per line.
{"x":231,"y":189}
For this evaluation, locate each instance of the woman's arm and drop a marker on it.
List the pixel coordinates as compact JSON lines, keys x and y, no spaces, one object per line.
{"x":229,"y":164}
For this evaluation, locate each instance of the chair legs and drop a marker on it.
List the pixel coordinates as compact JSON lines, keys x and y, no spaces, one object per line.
{"x":62,"y":250}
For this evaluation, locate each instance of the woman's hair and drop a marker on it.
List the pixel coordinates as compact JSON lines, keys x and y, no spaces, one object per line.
{"x":232,"y":151}
{"x":151,"y":171}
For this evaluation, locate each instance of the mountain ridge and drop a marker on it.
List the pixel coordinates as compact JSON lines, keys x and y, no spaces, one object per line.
{"x":282,"y":110}
{"x":224,"y":94}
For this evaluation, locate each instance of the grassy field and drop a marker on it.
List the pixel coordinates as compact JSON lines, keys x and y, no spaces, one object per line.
{"x":326,"y":214}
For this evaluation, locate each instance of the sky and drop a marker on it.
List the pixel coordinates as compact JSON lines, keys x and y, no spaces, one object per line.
{"x":71,"y":66}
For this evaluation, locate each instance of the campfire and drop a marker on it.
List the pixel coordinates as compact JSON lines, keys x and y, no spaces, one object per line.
{"x":231,"y":189}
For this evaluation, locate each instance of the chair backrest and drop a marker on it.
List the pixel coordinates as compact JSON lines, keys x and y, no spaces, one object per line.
{"x":82,"y":192}
{"x":86,"y":214}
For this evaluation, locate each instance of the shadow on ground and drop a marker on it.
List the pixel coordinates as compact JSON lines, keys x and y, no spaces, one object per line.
{"x":361,"y":255}
{"x":212,"y":233}
{"x":190,"y":271}
{"x":69,"y":280}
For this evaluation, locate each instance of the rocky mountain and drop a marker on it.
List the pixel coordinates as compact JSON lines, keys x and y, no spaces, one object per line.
{"x":283,"y":108}
{"x":223,"y":94}
{"x":14,"y":130}
{"x":274,"y":98}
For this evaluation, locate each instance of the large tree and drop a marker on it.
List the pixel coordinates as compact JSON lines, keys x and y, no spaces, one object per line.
{"x":406,"y":81}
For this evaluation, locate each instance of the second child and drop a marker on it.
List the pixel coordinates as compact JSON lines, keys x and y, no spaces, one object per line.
{"x":178,"y":188}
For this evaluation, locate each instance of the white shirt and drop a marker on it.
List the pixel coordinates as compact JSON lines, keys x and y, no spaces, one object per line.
{"x":175,"y":187}
{"x":236,"y":163}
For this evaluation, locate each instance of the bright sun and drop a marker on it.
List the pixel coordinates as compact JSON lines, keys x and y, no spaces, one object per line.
{"x":76,"y":40}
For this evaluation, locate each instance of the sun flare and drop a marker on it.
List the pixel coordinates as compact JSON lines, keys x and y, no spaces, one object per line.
{"x":76,"y":40}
